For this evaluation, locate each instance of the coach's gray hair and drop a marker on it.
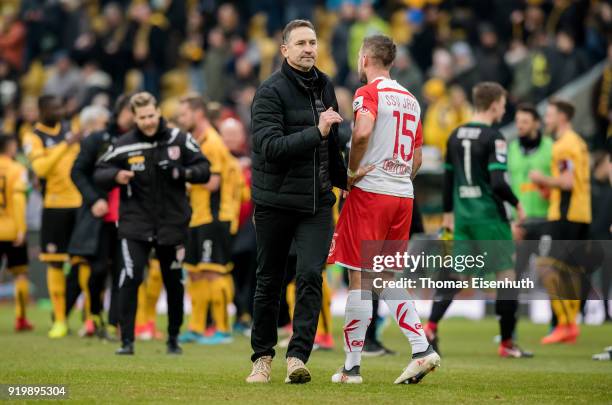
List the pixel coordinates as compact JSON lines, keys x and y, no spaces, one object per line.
{"x":91,"y":113}
{"x":293,"y":24}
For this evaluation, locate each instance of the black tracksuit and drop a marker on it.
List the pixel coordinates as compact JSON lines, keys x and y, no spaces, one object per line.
{"x":294,"y":169}
{"x":154,"y":212}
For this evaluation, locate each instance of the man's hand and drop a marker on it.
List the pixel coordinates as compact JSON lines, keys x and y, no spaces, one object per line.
{"x":100,"y":208}
{"x":124,"y":176}
{"x":537,"y":177}
{"x":74,"y":137}
{"x":358,"y":175}
{"x":520,"y":213}
{"x":19,"y":239}
{"x":326,"y":120}
{"x":518,"y":232}
{"x":245,"y":162}
{"x":173,"y":170}
{"x":448,"y":221}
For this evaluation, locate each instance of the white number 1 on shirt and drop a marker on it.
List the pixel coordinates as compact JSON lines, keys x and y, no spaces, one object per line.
{"x":467,"y":160}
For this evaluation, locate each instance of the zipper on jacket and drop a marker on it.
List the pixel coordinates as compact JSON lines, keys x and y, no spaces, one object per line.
{"x":314,"y":159}
{"x":155,"y":187}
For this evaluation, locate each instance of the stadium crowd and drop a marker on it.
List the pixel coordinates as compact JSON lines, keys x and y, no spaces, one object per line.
{"x":90,"y":51}
{"x":72,"y":64}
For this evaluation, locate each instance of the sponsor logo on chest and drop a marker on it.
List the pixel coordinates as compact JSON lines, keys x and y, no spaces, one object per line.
{"x":137,"y":163}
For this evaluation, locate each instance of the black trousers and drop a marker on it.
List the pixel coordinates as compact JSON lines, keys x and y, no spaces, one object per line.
{"x":103,"y":265}
{"x":244,"y":282}
{"x":275,"y":230}
{"x":134,"y":259}
{"x":284,"y":317}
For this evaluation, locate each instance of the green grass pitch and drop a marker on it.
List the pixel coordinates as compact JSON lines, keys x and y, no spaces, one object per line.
{"x":471,"y":372}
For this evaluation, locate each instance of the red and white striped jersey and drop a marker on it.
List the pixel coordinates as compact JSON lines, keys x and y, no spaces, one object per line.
{"x":397,"y":132}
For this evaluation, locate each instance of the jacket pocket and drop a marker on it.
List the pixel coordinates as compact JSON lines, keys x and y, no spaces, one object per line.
{"x":274,"y":175}
{"x":297,"y":180}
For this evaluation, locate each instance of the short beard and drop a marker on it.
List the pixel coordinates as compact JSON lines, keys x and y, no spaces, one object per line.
{"x":304,"y":65}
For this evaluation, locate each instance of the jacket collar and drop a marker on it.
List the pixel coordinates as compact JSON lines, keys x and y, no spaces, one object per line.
{"x":319,"y":81}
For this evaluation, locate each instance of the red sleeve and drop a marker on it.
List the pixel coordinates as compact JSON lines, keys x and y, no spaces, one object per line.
{"x":418,"y":140}
{"x":366,"y":100}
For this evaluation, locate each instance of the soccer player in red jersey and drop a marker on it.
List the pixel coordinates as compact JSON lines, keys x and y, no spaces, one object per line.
{"x":385,"y":156}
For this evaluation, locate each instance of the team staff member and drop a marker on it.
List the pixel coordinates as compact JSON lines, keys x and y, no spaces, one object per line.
{"x":569,"y":214}
{"x":208,"y":251}
{"x":102,"y":246}
{"x":13,"y":247}
{"x":296,"y":162}
{"x":531,"y":151}
{"x":151,"y":164}
{"x":51,"y":149}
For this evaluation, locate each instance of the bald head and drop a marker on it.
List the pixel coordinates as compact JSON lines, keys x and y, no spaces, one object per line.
{"x":233,"y":135}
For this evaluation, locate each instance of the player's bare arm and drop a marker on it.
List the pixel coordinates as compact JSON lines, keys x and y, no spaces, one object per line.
{"x":364,"y":125}
{"x":213,"y":184}
{"x":565,"y":181}
{"x":416,"y":162}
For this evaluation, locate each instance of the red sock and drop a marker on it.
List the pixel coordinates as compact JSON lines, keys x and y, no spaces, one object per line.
{"x":507,"y":343}
{"x":433,"y":326}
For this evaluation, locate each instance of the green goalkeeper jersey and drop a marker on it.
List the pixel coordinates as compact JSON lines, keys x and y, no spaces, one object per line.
{"x":473,"y":151}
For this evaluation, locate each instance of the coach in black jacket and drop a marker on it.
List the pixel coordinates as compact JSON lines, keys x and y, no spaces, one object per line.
{"x":99,"y":248}
{"x":152,"y":164}
{"x":296,"y":161}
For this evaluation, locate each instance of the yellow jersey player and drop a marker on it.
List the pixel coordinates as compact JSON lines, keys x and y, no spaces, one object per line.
{"x":51,"y":149}
{"x":207,"y":257}
{"x":13,"y":247}
{"x":569,"y":214}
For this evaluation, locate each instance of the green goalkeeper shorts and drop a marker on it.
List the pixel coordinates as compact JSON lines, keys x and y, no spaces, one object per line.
{"x":491,"y":240}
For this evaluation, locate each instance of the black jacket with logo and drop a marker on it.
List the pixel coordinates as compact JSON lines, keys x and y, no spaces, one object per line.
{"x":286,"y":143}
{"x":153,"y":206}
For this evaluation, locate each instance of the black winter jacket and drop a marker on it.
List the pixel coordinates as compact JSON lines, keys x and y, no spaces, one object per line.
{"x":85,"y":239}
{"x":153,"y":206}
{"x":92,"y":148}
{"x":286,"y":141}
